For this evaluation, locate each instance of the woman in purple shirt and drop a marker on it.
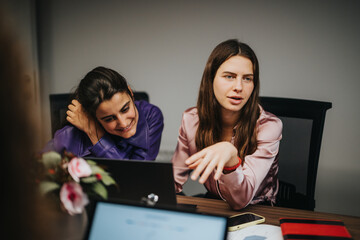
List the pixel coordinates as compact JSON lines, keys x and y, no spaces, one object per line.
{"x":105,"y":121}
{"x":228,"y":140}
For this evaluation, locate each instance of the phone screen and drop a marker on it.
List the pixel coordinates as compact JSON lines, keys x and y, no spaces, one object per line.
{"x":243,"y":218}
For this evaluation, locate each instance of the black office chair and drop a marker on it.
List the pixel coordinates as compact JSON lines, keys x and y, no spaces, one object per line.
{"x":303,"y":123}
{"x":60,"y":101}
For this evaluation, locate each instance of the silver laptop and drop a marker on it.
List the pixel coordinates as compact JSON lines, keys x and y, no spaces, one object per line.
{"x":125,"y":220}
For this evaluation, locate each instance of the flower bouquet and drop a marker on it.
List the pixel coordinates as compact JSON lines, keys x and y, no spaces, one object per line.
{"x":73,"y":180}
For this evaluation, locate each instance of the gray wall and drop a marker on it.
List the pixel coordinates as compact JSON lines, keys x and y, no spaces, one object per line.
{"x":306,"y":49}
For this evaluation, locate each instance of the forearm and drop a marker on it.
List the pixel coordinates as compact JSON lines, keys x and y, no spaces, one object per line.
{"x":181,"y":170}
{"x":252,"y":180}
{"x":106,"y":147}
{"x":95,"y":135}
{"x":236,"y":189}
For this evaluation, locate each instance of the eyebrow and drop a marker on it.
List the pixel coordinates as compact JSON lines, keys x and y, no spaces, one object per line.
{"x":227,"y":72}
{"x":125,"y":105}
{"x":250,"y":74}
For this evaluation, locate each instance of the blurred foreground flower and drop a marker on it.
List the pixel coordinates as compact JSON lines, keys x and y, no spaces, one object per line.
{"x":78,"y":168}
{"x":73,"y":198}
{"x":73,"y":180}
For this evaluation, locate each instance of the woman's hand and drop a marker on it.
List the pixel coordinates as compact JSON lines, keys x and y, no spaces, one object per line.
{"x":78,"y":117}
{"x":217,"y":156}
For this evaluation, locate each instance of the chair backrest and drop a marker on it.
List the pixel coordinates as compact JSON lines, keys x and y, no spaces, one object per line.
{"x":303,"y":123}
{"x":58,"y":108}
{"x":60,"y":101}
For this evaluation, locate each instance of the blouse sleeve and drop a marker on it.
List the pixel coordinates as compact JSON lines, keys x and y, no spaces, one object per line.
{"x":107,"y":148}
{"x":239,"y":187}
{"x":184,"y":149}
{"x":71,"y":139}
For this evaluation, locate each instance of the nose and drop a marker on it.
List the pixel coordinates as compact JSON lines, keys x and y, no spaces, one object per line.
{"x":237,"y":85}
{"x":120,"y":121}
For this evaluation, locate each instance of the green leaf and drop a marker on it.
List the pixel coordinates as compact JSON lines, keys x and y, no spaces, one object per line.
{"x":51,"y":159}
{"x":100,"y":190}
{"x":96,"y":169}
{"x":107,"y":180}
{"x":90,"y":162}
{"x":90,"y":179}
{"x":47,"y":186}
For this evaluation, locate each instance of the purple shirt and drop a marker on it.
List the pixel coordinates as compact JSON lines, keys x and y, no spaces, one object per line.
{"x":144,"y":145}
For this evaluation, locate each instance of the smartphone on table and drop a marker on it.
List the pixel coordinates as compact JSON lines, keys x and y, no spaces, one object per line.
{"x":243,"y":220}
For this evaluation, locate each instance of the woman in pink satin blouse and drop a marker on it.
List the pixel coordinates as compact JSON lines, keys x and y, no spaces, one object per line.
{"x":228,"y":141}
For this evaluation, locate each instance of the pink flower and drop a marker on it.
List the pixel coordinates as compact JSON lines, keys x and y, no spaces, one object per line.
{"x":73,"y":198}
{"x":78,"y":168}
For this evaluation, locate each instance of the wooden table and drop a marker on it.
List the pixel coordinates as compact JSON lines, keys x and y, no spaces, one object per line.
{"x":271,"y":214}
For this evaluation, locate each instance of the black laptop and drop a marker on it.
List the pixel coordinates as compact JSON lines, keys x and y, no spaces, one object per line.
{"x":140,"y":181}
{"x":125,"y":220}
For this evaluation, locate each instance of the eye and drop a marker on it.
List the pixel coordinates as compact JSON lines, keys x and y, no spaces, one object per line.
{"x":248,"y":78}
{"x":109,"y":119}
{"x":125,"y":109}
{"x":229,"y":76}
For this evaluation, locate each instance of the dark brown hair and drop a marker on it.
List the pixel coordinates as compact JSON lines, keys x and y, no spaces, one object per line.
{"x":210,"y":127}
{"x":98,"y":85}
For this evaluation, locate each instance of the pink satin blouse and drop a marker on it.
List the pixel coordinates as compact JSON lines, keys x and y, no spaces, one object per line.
{"x":256,"y":181}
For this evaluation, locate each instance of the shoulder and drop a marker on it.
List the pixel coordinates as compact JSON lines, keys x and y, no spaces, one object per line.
{"x":190,"y":120}
{"x":146,"y":107}
{"x":67,"y":132}
{"x":148,"y":110}
{"x":68,"y":137}
{"x":191,"y":114}
{"x":269,"y":126}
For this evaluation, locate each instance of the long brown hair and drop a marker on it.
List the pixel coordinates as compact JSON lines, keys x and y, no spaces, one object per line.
{"x":210,"y":127}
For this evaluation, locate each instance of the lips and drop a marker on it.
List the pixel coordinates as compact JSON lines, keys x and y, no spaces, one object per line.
{"x":235,"y":100}
{"x":126,"y":129}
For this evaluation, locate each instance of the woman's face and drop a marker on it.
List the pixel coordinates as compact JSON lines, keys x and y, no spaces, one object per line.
{"x":233,"y":83}
{"x":118,"y":115}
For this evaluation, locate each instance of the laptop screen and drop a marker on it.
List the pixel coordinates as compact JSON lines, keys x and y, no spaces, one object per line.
{"x":137,"y":179}
{"x":124,"y":221}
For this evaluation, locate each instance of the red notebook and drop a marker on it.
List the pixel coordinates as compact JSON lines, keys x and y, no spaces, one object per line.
{"x":303,"y":228}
